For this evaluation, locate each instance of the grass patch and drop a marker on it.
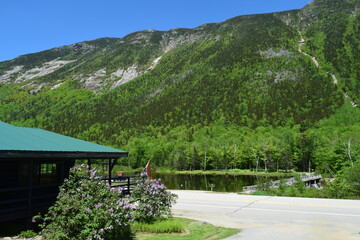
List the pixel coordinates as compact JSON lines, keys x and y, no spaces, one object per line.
{"x":28,"y":234}
{"x":193,"y":230}
{"x":166,"y":226}
{"x":263,"y":193}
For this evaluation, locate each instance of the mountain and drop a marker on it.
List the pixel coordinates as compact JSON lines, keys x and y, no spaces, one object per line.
{"x":276,"y":70}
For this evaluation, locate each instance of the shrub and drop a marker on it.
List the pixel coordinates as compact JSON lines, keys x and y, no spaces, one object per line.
{"x":86,"y":208}
{"x":339,"y":188}
{"x":152,"y":201}
{"x":352,"y":177}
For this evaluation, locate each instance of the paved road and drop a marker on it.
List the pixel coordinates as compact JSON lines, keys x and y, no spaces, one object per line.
{"x":267,"y":218}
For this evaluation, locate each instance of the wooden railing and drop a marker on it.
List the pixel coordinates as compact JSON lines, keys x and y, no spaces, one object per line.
{"x":126,"y":183}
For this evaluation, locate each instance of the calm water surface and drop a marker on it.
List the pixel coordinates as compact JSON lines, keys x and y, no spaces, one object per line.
{"x":218,"y":183}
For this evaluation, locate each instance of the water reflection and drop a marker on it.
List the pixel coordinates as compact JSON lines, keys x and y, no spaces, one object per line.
{"x":218,"y":183}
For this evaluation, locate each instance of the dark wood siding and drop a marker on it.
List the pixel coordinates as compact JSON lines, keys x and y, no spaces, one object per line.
{"x":8,"y":174}
{"x":26,"y":190}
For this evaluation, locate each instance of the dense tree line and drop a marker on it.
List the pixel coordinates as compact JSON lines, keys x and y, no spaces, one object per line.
{"x":330,"y":146}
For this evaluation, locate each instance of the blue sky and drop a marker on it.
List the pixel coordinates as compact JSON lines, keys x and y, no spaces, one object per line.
{"x":28,"y":26}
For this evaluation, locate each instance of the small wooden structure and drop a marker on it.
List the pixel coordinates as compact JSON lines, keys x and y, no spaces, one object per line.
{"x":310,"y":180}
{"x":34,"y":163}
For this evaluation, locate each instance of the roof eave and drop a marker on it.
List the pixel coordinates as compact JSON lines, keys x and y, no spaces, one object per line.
{"x":61,"y":155}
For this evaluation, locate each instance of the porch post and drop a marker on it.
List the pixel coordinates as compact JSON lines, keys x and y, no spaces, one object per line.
{"x":111,"y":166}
{"x":89,"y":163}
{"x":61,"y":164}
{"x":31,"y":172}
{"x":110,"y":170}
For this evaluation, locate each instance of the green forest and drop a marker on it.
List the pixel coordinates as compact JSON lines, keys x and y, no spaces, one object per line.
{"x":233,"y":95}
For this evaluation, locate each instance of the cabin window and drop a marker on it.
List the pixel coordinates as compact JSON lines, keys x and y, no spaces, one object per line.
{"x":48,"y":169}
{"x":48,"y":173}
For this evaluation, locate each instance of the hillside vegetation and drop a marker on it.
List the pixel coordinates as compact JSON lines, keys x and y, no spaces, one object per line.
{"x":235,"y":94}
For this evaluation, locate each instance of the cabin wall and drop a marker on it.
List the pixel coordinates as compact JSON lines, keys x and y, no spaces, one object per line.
{"x":29,"y":186}
{"x":8,"y":174}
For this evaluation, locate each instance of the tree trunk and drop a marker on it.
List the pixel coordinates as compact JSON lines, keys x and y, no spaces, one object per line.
{"x":265,"y":165}
{"x":348,"y":151}
{"x":205,"y":162}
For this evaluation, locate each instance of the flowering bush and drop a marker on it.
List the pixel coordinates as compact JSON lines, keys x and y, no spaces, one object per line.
{"x":151,"y":200}
{"x":87,"y":208}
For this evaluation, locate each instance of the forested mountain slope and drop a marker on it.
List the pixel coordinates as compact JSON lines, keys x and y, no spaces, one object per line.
{"x":233,"y":94}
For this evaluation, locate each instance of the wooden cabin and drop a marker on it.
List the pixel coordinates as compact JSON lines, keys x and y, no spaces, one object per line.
{"x":34,"y":163}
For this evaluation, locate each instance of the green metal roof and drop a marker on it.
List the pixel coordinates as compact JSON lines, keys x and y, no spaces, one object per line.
{"x":15,"y":141}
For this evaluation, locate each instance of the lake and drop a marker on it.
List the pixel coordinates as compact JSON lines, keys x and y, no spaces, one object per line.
{"x":218,"y":183}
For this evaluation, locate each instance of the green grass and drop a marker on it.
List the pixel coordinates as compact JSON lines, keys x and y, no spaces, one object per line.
{"x":166,"y":226}
{"x":263,"y":193}
{"x":175,"y":229}
{"x":28,"y":234}
{"x":194,"y":230}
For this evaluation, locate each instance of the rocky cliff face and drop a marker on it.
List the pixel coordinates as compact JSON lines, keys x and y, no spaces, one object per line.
{"x":87,"y":62}
{"x":246,"y":70}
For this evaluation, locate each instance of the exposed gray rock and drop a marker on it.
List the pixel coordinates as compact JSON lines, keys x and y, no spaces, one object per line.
{"x":172,"y":40}
{"x":95,"y":81}
{"x":77,"y":76}
{"x":130,"y":73}
{"x":7,"y":77}
{"x":281,"y":76}
{"x":82,"y":46}
{"x":285,"y":17}
{"x":154,"y":63}
{"x":45,"y":69}
{"x":126,"y":75}
{"x":38,"y":87}
{"x":270,"y":53}
{"x":156,"y":93}
{"x":56,"y":86}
